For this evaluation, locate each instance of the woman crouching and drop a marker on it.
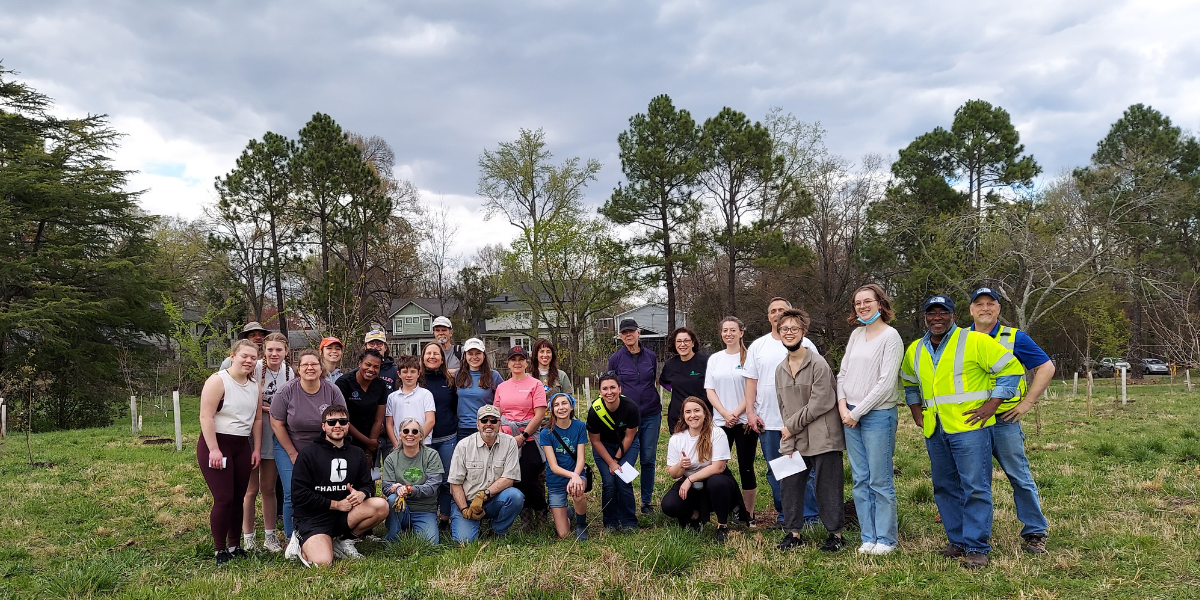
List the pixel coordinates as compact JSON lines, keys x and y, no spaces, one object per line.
{"x":696,"y":456}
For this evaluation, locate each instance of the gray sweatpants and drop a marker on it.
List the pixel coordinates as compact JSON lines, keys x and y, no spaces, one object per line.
{"x":830,"y":493}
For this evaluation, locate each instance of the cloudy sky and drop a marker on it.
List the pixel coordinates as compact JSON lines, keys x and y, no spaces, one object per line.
{"x":190,"y":83}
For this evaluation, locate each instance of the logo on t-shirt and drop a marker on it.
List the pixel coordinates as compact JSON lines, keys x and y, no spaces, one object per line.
{"x":693,"y":374}
{"x":414,"y":475}
{"x":337,"y":470}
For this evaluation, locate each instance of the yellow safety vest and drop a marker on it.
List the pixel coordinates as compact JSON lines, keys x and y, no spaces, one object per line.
{"x":1007,"y":336}
{"x":962,"y":380}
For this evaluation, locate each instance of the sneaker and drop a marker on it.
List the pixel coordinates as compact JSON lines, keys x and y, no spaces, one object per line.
{"x":721,"y":535}
{"x":237,"y":552}
{"x":867,"y":548}
{"x":975,"y":560}
{"x":833,"y":543}
{"x":581,"y":534}
{"x":248,"y":542}
{"x":272,"y":543}
{"x":647,"y":509}
{"x":952,"y":551}
{"x":628,"y":528}
{"x":611,"y":529}
{"x":1035,"y":543}
{"x":344,"y":548}
{"x":293,"y":548}
{"x":881,"y":549}
{"x":222,"y":557}
{"x":694,"y":527}
{"x":790,"y":541}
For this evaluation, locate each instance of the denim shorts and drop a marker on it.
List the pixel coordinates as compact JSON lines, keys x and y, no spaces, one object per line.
{"x":557,"y":498}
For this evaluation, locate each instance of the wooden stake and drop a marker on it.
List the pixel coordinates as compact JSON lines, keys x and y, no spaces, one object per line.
{"x":1124,"y":397}
{"x":178,"y":426}
{"x":1075,"y":386}
{"x":1187,"y":376}
{"x":133,"y":414}
{"x":3,"y":419}
{"x":1089,"y":395}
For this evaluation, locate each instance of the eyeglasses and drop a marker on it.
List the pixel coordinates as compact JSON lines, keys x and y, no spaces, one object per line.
{"x":489,"y":420}
{"x":310,"y":366}
{"x":341,"y":421}
{"x":790,"y":329}
{"x":411,"y":431}
{"x":864,"y":303}
{"x":683,"y":341}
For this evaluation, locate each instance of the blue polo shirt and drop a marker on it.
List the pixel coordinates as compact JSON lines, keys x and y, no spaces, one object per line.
{"x":1024,"y":348}
{"x":637,"y":374}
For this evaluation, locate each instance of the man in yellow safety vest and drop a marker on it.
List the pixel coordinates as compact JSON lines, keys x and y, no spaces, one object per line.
{"x":954,"y":380}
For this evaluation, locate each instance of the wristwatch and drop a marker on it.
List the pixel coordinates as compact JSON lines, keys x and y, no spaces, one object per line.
{"x":487,"y":494}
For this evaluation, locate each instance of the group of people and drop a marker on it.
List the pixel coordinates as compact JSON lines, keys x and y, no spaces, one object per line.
{"x":454,"y":444}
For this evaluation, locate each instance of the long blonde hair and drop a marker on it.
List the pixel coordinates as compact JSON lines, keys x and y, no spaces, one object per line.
{"x":742,"y":340}
{"x":278,"y":337}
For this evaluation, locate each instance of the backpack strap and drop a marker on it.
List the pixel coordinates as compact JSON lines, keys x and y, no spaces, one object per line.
{"x":602,"y":412}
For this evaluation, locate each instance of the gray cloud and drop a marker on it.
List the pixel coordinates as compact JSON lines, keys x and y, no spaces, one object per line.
{"x":442,"y":81}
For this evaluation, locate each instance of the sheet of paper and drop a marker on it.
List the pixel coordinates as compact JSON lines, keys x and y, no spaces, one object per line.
{"x":786,"y":466}
{"x":627,"y":473}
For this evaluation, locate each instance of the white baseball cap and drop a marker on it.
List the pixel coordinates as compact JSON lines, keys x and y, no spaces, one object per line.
{"x":443,"y":322}
{"x":474,"y":344}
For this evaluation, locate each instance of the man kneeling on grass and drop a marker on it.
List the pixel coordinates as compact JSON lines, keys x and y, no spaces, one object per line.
{"x":331,"y":495}
{"x":483,"y":470}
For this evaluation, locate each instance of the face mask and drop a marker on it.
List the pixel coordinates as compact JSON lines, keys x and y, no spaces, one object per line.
{"x":869,"y":321}
{"x":796,"y":347}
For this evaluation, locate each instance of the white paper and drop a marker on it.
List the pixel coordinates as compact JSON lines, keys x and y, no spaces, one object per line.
{"x":627,"y":473}
{"x":224,"y":462}
{"x":374,"y":473}
{"x":786,"y":466}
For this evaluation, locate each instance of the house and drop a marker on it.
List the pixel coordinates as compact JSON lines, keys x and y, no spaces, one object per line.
{"x":410,"y":323}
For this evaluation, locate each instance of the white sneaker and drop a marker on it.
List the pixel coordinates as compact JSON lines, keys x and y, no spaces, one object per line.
{"x":293,"y":549}
{"x":881,"y":549}
{"x":271,"y":542}
{"x":345,"y":549}
{"x":249,"y":542}
{"x":867,"y":548}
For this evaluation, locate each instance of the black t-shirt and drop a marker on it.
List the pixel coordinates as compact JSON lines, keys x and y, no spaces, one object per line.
{"x":362,"y":405}
{"x":627,"y":416}
{"x":685,"y":378}
{"x":445,"y":402}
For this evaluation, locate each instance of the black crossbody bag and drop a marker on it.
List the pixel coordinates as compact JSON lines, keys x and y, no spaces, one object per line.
{"x":587,"y":469}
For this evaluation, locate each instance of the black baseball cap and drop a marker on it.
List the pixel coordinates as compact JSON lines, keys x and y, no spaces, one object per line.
{"x":628,"y":325}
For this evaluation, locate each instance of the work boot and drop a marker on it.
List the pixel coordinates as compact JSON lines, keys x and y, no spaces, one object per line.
{"x":1035,"y":543}
{"x":975,"y":560}
{"x":952,"y":551}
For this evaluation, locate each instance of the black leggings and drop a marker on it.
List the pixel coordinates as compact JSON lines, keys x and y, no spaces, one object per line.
{"x":719,"y":494}
{"x":531,"y":483}
{"x":228,"y":487}
{"x":745,"y":440}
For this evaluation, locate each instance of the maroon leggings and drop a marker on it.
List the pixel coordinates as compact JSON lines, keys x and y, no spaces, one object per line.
{"x":228,"y":487}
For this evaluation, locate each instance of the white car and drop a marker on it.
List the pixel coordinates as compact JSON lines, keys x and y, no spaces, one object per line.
{"x":1153,"y":366}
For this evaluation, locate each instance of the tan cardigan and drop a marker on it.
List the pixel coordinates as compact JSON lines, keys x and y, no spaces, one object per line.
{"x":808,"y":404}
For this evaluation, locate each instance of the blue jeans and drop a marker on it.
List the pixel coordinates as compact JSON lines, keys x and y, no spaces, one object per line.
{"x":502,"y":510}
{"x":616,"y":497}
{"x":1008,"y":446}
{"x":422,"y":523}
{"x":446,"y":451}
{"x":769,"y":440}
{"x":647,"y":437}
{"x":870,"y":447}
{"x":961,"y":466}
{"x":283,"y":463}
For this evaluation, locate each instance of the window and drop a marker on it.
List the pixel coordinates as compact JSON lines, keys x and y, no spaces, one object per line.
{"x":425,"y":324}
{"x":412,"y":349}
{"x":410,"y":320}
{"x":395,"y":350}
{"x":521,"y":341}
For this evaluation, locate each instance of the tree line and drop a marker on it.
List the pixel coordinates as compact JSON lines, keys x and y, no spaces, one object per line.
{"x":712,"y":217}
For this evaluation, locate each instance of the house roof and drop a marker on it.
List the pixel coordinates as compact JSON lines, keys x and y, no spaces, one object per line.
{"x":432,"y":306}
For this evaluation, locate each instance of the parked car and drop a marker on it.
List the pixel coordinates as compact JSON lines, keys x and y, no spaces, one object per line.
{"x":1116,"y":364}
{"x":1153,"y":366}
{"x":1097,"y":368}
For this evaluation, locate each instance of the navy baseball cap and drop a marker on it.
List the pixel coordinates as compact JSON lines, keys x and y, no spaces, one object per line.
{"x":942,"y":301}
{"x":985,"y":291}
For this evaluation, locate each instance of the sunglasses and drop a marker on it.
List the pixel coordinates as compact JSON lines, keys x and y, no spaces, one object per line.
{"x":411,"y":431}
{"x":341,"y":421}
{"x":489,"y":420}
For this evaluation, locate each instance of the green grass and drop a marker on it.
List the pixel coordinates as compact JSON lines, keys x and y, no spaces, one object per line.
{"x":118,"y":518}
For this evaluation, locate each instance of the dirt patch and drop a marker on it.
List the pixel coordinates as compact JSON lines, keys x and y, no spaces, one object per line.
{"x":158,"y":441}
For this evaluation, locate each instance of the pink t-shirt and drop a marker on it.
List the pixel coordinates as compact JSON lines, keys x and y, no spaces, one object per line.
{"x":517,"y":399}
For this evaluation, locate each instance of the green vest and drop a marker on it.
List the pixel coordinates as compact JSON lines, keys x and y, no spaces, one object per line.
{"x":962,"y":380}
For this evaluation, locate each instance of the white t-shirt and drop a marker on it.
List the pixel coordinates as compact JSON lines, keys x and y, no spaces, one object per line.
{"x":401,"y":406}
{"x":684,"y":443}
{"x":762,"y":358}
{"x":727,"y":378}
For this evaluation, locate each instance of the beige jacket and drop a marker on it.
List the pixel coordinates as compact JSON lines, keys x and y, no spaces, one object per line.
{"x":808,"y":404}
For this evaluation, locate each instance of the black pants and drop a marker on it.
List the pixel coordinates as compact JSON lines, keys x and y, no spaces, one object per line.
{"x":531,"y":483}
{"x":228,"y":487}
{"x":745,"y":441}
{"x":719,"y":494}
{"x":830,"y":493}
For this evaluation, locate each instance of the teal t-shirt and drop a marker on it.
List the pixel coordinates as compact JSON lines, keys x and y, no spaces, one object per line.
{"x":574,"y":435}
{"x":414,"y":471}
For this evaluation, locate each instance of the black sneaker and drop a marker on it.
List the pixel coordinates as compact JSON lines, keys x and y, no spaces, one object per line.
{"x":833,"y":543}
{"x":1035,"y":543}
{"x":694,"y":527}
{"x":223,"y":557}
{"x":790,"y":541}
{"x":721,"y":535}
{"x":237,"y":553}
{"x":647,"y":509}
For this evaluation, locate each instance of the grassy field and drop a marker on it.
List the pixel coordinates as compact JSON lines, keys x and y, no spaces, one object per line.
{"x":115,"y":517}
